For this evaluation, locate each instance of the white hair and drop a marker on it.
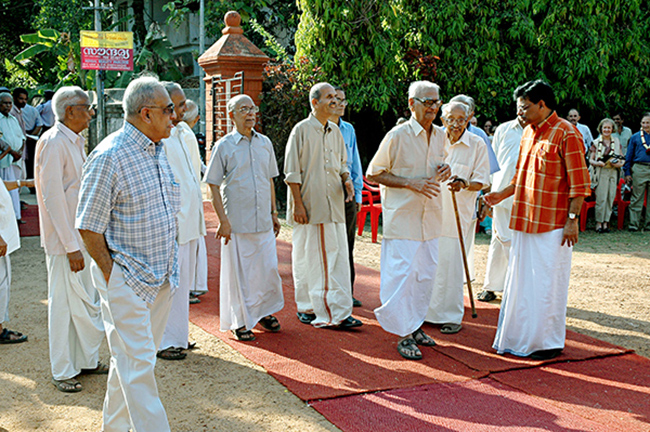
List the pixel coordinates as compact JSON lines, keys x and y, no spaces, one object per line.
{"x":192,"y":111}
{"x":171,"y":87}
{"x":467,"y":100}
{"x":418,"y":87}
{"x":139,"y":93}
{"x":65,"y":97}
{"x":234,"y":101}
{"x":451,"y":105}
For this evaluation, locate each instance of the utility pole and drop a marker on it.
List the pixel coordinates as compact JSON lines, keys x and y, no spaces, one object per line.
{"x":202,"y":72}
{"x":99,"y":80}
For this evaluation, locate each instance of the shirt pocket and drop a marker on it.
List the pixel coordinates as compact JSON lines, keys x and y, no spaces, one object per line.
{"x":548,"y":161}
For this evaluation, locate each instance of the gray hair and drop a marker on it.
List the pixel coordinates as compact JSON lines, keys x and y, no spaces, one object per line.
{"x":467,"y":100}
{"x":140,"y":92}
{"x":418,"y":87}
{"x":5,"y":95}
{"x":171,"y":87}
{"x":316,"y":91}
{"x":448,"y":107}
{"x":192,"y":111}
{"x":65,"y":97}
{"x":232,"y":103}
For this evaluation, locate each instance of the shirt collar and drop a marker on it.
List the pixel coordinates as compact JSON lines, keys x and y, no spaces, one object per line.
{"x":238,"y":137}
{"x":546,"y":123}
{"x":318,"y":125}
{"x":464,"y":138}
{"x":140,"y":139}
{"x":69,"y":133}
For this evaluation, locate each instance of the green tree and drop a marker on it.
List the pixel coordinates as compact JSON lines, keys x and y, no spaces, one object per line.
{"x":15,"y":16}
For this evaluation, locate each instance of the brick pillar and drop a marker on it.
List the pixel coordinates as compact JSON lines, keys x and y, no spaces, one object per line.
{"x":232,"y":53}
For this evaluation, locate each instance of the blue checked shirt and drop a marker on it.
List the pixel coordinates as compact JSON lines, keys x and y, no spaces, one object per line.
{"x":128,"y":193}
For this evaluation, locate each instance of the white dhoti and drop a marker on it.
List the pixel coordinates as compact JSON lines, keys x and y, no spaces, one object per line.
{"x":321,"y":272}
{"x":193,"y":276}
{"x":446,"y":305}
{"x":408,"y":272}
{"x":499,"y":251}
{"x":533,"y":309}
{"x":250,"y":287}
{"x":75,"y":325}
{"x":200,"y":285}
{"x":9,"y":174}
{"x":134,"y":329}
{"x":5,"y":287}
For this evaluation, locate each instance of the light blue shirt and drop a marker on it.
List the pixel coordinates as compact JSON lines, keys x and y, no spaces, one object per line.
{"x":129,"y":194}
{"x":494,"y":163}
{"x":354,"y":161}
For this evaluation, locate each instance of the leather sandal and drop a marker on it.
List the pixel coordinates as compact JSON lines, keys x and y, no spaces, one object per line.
{"x":421,"y":338}
{"x":243,"y":335}
{"x":270,"y":323}
{"x":171,"y":353}
{"x":408,"y":349}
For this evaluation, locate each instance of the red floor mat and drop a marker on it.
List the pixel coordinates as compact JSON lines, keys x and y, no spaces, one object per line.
{"x":320,"y":363}
{"x":613,"y":390}
{"x":477,"y":406}
{"x":30,"y":228}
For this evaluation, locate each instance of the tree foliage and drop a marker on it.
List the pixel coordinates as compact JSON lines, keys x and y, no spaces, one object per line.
{"x":593,"y":52}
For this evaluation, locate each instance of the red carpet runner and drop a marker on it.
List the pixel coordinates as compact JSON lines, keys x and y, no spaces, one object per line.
{"x":449,"y":389}
{"x":30,"y":216}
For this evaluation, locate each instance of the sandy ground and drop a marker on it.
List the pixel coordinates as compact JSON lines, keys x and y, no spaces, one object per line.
{"x":216,"y":388}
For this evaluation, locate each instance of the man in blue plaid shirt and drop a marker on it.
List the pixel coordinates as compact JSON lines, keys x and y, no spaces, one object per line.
{"x":127,"y":218}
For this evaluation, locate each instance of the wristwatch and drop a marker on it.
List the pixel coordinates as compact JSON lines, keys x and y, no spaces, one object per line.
{"x":572,"y":216}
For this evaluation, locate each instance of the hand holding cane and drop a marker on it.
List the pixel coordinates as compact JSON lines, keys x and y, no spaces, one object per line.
{"x":462,"y":249}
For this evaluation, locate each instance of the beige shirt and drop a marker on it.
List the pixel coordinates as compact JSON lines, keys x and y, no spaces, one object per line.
{"x":405,"y":152}
{"x":8,"y":226}
{"x":316,"y":158}
{"x":191,"y":223}
{"x":60,"y":156}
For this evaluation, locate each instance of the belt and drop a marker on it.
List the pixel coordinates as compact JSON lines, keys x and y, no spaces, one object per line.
{"x":642,"y":163}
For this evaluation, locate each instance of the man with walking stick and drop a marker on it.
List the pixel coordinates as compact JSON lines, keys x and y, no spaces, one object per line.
{"x":549,"y":186}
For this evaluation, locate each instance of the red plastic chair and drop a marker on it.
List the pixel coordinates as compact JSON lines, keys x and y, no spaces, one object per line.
{"x":586,"y":205}
{"x":369,"y":205}
{"x":620,"y":204}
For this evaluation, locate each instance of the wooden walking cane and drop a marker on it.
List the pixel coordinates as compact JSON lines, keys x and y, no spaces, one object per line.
{"x":462,"y":249}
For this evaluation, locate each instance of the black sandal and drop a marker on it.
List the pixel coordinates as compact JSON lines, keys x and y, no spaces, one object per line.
{"x":243,"y":335}
{"x":421,"y":338}
{"x":171,"y":353}
{"x":5,"y":337}
{"x":270,"y":323}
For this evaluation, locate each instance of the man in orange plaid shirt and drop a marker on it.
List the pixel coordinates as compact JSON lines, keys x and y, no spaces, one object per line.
{"x":549,"y":187}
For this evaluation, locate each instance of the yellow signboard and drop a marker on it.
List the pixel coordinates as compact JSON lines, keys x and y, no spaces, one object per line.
{"x":107,"y":50}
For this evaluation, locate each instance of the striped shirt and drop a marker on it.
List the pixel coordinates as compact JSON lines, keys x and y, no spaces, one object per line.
{"x":551,"y":170}
{"x":128,"y":193}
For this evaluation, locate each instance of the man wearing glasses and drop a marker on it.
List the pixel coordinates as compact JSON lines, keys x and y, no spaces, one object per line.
{"x":409,"y":165}
{"x":127,"y":218}
{"x":356,"y":174}
{"x":75,"y":324}
{"x":240,"y":175}
{"x":13,"y":140}
{"x":549,"y":186}
{"x":316,"y":171}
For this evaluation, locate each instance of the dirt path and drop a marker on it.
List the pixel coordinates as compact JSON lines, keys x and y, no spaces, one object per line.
{"x":216,"y":388}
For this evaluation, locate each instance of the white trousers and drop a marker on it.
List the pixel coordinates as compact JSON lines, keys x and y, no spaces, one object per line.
{"x":75,"y":325}
{"x":133,"y":330}
{"x":5,"y":287}
{"x":446,"y":306}
{"x":408,"y":272}
{"x":499,"y":250}
{"x":533,"y":309}
{"x":12,"y":173}
{"x":193,"y":276}
{"x":250,"y":287}
{"x":321,"y":272}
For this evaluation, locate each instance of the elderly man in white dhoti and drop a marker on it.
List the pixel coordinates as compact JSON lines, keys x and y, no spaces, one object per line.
{"x":240,"y":174}
{"x":192,"y":254}
{"x":470,"y":168}
{"x":75,"y":323}
{"x":506,"y":146}
{"x":315,"y":168}
{"x":409,"y":165}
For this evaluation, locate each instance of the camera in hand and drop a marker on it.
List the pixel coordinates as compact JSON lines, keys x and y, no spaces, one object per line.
{"x":611,"y":158}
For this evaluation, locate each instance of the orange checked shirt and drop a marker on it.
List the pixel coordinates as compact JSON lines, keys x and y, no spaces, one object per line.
{"x":551,"y":169}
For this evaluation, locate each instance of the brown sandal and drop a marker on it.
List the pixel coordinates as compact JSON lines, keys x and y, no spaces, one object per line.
{"x":243,"y":335}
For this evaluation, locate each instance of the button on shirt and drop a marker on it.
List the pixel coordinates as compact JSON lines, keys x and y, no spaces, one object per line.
{"x":551,"y":170}
{"x":354,"y":161}
{"x":316,"y":158}
{"x":243,"y":169}
{"x":128,"y":193}
{"x":13,"y":135}
{"x":405,"y":152}
{"x":60,"y":156}
{"x":636,"y":152}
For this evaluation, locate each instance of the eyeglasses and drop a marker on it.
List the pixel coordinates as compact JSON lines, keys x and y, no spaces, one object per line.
{"x":458,"y":121}
{"x":429,"y":103}
{"x":342,"y":102}
{"x":89,"y":107}
{"x":248,"y":109}
{"x":168,"y":110}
